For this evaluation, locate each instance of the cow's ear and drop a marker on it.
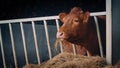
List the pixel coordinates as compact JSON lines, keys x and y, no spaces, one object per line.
{"x":61,"y":16}
{"x":86,"y":17}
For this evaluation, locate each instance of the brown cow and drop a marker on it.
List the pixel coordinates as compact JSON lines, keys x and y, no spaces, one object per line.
{"x":77,"y":29}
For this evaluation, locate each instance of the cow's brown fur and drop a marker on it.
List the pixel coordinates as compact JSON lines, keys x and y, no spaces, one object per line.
{"x":77,"y":29}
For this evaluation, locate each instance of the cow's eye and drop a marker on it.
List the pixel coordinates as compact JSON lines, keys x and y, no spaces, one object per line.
{"x":76,"y":20}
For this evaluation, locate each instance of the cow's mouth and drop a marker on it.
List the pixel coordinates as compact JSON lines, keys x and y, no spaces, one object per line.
{"x":62,"y":39}
{"x":65,"y":39}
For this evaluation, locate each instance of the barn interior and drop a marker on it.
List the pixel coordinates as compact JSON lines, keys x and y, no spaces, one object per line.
{"x":20,"y":9}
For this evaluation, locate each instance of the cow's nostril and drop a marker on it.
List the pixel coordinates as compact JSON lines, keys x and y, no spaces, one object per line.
{"x":61,"y":34}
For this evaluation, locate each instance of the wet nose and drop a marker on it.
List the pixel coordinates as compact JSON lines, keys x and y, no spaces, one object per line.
{"x":60,"y":34}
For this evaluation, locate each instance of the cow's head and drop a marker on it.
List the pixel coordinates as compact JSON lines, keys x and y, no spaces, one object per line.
{"x":74,"y":25}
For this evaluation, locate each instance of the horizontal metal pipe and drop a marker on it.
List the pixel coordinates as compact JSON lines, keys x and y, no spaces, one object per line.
{"x":97,"y":13}
{"x":43,"y":18}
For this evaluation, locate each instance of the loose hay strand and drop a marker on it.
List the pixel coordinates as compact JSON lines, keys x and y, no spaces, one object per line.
{"x":56,"y":44}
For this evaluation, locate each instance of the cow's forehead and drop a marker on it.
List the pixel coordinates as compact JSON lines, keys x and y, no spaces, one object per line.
{"x":68,"y":18}
{"x":71,"y":16}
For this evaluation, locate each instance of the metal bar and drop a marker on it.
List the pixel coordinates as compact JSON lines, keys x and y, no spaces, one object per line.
{"x":44,"y":18}
{"x":99,"y":37}
{"x":47,"y":37}
{"x":2,"y":50}
{"x":57,"y":24}
{"x":88,"y":54}
{"x":24,"y":42}
{"x":36,"y":43}
{"x":97,"y":13}
{"x":30,"y":19}
{"x":74,"y":49}
{"x":13,"y":45}
{"x":108,"y":32}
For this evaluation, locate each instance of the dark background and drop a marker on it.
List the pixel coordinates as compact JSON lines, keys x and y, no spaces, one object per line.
{"x":10,"y":9}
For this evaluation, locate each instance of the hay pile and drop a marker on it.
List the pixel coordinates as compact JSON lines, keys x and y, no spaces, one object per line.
{"x":66,"y":60}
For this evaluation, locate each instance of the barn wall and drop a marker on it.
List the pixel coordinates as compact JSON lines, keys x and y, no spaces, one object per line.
{"x":115,"y":30}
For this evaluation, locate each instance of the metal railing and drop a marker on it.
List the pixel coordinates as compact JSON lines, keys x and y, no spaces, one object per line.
{"x":44,"y":19}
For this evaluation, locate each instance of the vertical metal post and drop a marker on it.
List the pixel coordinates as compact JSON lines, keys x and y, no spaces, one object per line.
{"x":35,"y":40}
{"x":13,"y":45}
{"x":24,"y":42}
{"x":108,"y":32}
{"x":2,"y":50}
{"x":74,"y":49}
{"x":47,"y":37}
{"x":98,"y":34}
{"x":57,"y":24}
